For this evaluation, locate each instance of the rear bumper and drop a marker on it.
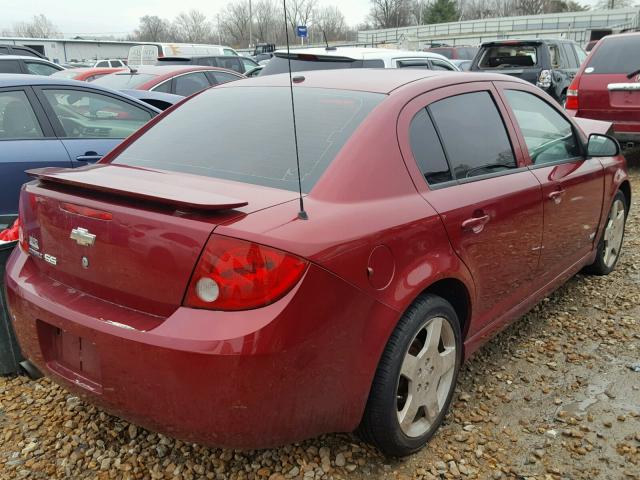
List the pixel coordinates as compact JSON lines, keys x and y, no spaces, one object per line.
{"x":289,"y":371}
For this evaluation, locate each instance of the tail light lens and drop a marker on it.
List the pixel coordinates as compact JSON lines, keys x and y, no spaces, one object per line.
{"x":544,"y":80}
{"x":572,"y":95}
{"x":234,"y":274}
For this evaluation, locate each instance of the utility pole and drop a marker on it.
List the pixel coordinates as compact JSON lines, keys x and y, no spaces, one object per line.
{"x":250,"y":23}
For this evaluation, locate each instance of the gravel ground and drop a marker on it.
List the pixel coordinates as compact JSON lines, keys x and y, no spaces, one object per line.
{"x":552,"y":397}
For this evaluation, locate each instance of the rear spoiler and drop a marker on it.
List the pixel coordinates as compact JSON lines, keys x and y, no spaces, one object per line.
{"x":167,"y":188}
{"x":314,"y":57}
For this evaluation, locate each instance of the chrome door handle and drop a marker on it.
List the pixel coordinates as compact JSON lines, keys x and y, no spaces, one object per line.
{"x":475,"y":224}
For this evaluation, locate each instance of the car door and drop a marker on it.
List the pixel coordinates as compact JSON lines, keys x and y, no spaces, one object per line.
{"x":474,"y":175}
{"x":90,"y":123}
{"x":26,"y":141}
{"x":572,"y":185}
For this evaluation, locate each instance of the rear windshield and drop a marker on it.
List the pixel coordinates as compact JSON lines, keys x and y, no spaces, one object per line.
{"x":616,"y":55}
{"x":212,"y":134}
{"x":281,"y":65}
{"x":123,"y":81}
{"x":466,"y":53}
{"x":508,"y":56}
{"x":446,"y":52}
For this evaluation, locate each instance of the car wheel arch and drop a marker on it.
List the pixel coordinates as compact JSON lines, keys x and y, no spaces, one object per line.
{"x":625,"y":188}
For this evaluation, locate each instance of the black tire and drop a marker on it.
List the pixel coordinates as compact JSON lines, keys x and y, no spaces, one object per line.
{"x":599,"y":266}
{"x":380,"y":426}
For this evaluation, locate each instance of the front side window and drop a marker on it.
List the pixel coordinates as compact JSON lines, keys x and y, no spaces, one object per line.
{"x":548,"y":135}
{"x":103,"y":64}
{"x":37,"y":68}
{"x":17,"y":118}
{"x":116,"y":63}
{"x":414,"y":63}
{"x":440,"y":65}
{"x":427,"y":149}
{"x":93,"y":115}
{"x":473,"y":134}
{"x":191,"y":83}
{"x":208,"y":136}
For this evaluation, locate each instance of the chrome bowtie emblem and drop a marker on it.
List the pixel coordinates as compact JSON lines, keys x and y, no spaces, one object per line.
{"x":82,"y":236}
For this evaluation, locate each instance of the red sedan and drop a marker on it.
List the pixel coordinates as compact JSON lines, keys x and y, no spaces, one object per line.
{"x":85,"y":74}
{"x":175,"y":284}
{"x":183,"y":80}
{"x":607,"y":86}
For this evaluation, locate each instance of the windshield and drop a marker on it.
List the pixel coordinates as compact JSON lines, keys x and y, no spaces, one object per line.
{"x":508,"y":56}
{"x":123,"y":81}
{"x":616,"y":55}
{"x":212,"y":135}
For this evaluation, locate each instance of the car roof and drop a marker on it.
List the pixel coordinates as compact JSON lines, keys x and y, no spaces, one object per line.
{"x":162,"y":70}
{"x":24,"y":57}
{"x":21,"y":80}
{"x":361,"y":53}
{"x":377,"y":80}
{"x":624,"y":34}
{"x":513,"y":41}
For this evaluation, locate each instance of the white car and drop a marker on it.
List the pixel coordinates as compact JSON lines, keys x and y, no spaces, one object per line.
{"x":109,"y":63}
{"x":148,"y":53}
{"x":330,"y":58}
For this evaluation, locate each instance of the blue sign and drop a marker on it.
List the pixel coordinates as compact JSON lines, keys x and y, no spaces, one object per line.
{"x":301,"y":31}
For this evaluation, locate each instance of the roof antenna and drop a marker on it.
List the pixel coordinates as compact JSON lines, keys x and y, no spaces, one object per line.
{"x":327,"y":43}
{"x":302,"y":215}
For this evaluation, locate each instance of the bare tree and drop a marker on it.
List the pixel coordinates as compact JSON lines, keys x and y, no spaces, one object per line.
{"x":235,"y":23}
{"x":267,"y":21}
{"x":152,"y":29}
{"x":330,"y":20}
{"x":530,"y":7}
{"x":192,"y":27}
{"x":299,"y":12}
{"x":390,"y":13}
{"x":39,"y":27}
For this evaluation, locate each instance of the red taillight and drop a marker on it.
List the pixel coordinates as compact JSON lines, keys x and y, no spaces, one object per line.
{"x":234,"y":274}
{"x":571,"y":102}
{"x":22,"y":237}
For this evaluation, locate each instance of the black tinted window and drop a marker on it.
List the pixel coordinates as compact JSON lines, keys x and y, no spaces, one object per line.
{"x":377,"y":63}
{"x":616,"y":55}
{"x":427,"y":149}
{"x":4,"y":50}
{"x":186,"y":85}
{"x":23,"y":51}
{"x":222,"y":77}
{"x":9,"y":66}
{"x":473,"y":134}
{"x":414,"y":64}
{"x":280,"y":65}
{"x":440,"y":65}
{"x":208,"y":135}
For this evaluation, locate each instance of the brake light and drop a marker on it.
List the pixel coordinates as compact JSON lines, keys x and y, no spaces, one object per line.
{"x":234,"y":274}
{"x":572,"y":95}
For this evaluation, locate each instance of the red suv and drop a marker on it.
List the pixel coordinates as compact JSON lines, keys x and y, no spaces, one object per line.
{"x":607,"y":86}
{"x":178,"y":284}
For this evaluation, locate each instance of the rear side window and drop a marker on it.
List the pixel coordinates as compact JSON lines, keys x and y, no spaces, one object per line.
{"x":473,"y":134}
{"x":17,"y":118}
{"x":441,"y":65}
{"x":509,"y":56}
{"x":222,"y":77}
{"x":208,"y":137}
{"x":103,"y":64}
{"x":373,"y":63}
{"x":37,"y":68}
{"x":414,"y":63}
{"x":186,"y":85}
{"x":616,"y":55}
{"x":427,"y":149}
{"x":9,"y":66}
{"x":4,"y":50}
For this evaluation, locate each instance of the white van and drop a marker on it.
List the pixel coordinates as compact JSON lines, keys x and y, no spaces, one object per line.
{"x":148,"y":54}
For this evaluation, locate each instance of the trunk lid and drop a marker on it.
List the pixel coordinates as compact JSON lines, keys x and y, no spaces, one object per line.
{"x":610,"y":96}
{"x":130,"y":236}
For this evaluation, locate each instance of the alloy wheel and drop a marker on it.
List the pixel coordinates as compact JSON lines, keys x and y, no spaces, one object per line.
{"x":426,"y":377}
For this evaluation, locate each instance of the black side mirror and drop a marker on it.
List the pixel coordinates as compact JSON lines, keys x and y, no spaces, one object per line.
{"x":602,"y":146}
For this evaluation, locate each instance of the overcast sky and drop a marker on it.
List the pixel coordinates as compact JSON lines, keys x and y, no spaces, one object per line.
{"x":119,"y":17}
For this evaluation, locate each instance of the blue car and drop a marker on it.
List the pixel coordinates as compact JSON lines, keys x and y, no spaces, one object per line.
{"x":51,"y":122}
